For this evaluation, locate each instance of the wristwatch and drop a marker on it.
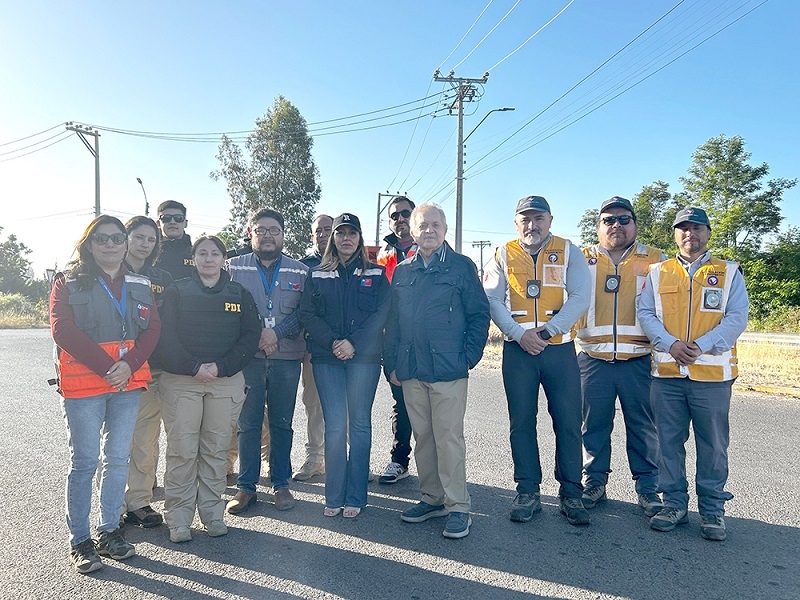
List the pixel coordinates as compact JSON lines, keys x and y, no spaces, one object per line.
{"x":545,"y":335}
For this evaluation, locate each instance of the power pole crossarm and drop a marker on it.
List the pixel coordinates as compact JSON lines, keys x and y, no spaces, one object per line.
{"x":82,"y":131}
{"x":481,"y":244}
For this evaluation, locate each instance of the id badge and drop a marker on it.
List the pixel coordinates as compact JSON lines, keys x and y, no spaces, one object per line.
{"x":269,"y":322}
{"x":712,"y":298}
{"x":533,"y":288}
{"x":612,"y":284}
{"x":123,"y":350}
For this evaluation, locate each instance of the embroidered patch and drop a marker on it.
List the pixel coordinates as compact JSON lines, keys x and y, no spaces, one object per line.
{"x":552,"y":257}
{"x":366,"y":282}
{"x":143,"y":310}
{"x":593,"y":261}
{"x":712,"y":280}
{"x":292,"y":285}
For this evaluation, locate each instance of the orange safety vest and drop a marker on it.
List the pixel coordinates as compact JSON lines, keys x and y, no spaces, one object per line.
{"x":76,"y":380}
{"x":610,"y":329}
{"x":387,"y":258}
{"x":689,"y":308}
{"x":550,"y":269}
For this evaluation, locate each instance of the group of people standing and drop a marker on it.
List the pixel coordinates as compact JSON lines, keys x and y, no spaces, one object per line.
{"x":227,"y":335}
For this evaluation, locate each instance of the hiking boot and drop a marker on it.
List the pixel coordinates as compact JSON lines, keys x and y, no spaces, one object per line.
{"x":422,"y":511}
{"x":712,"y":527}
{"x":180,"y":534}
{"x":651,"y":504}
{"x":593,"y":495}
{"x":524,"y":506}
{"x":240,"y":502}
{"x":216,"y":529}
{"x":394,"y":472}
{"x":457,"y":525}
{"x":113,"y":545}
{"x":144,"y":517}
{"x":84,"y":557}
{"x":308,"y":470}
{"x":667,"y":518}
{"x":283,"y":499}
{"x":573,"y":509}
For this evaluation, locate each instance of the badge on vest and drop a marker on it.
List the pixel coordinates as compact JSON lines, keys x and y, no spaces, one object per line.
{"x":712,"y":298}
{"x":533,"y":289}
{"x":269,"y":322}
{"x":612,"y":284}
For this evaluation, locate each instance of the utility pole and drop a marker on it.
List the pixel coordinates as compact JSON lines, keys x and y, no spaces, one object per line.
{"x":83,"y":131}
{"x":481,"y":244}
{"x":465,"y":92}
{"x":381,"y":208}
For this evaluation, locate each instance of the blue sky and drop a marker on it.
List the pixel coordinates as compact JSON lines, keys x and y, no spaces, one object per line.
{"x":210,"y":67}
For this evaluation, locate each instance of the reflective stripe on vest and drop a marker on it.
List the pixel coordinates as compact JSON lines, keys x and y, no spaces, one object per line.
{"x":551,"y":269}
{"x":76,"y":380}
{"x":690,"y":308}
{"x":387,"y":258}
{"x":610,"y":330}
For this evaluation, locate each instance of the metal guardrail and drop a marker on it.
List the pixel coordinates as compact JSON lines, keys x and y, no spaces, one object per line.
{"x":791,"y":340}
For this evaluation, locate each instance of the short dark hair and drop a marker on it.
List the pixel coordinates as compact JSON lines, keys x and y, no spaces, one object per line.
{"x":266,"y":213}
{"x":210,"y":238}
{"x":397,"y":199}
{"x":171,"y":204}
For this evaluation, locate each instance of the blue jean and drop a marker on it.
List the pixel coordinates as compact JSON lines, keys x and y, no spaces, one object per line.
{"x":274,"y":381}
{"x":556,"y":369}
{"x":706,"y":404}
{"x":347,"y":392}
{"x":115,"y":415}
{"x":602,"y":382}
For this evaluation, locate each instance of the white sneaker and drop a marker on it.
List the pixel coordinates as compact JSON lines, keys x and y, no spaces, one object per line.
{"x":308,"y":470}
{"x":394,"y":472}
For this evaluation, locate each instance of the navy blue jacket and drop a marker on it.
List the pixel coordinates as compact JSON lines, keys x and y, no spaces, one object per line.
{"x":346,"y":304}
{"x":439,"y":319}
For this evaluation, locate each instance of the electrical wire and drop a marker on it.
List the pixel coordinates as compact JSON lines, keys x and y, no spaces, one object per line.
{"x":22,"y":139}
{"x":486,"y":36}
{"x":458,"y":45}
{"x":32,"y":145}
{"x":66,"y":134}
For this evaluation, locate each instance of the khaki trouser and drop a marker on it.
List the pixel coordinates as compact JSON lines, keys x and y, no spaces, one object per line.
{"x":198,"y":418}
{"x":144,"y":449}
{"x":315,"y":446}
{"x":436,"y":412}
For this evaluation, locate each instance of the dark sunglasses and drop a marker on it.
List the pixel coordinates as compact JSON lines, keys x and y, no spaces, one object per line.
{"x":623,"y":219}
{"x":102,"y":238}
{"x":405,"y":213}
{"x":168,"y":218}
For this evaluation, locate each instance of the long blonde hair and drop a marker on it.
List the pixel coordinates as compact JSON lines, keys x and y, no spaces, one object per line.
{"x":330,"y":260}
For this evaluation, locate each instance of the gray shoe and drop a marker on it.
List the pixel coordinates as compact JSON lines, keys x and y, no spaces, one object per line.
{"x":84,"y":557}
{"x":651,"y":504}
{"x":524,"y":506}
{"x":179,"y":535}
{"x":216,"y":528}
{"x":668,"y":518}
{"x":457,"y":526}
{"x":712,"y":527}
{"x":308,"y":470}
{"x":240,"y":502}
{"x":573,"y":509}
{"x":593,"y":495}
{"x":422,"y":511}
{"x":113,"y":545}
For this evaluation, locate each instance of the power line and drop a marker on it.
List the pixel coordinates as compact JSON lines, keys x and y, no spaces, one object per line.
{"x":487,"y":35}
{"x":22,"y":139}
{"x":458,"y":45}
{"x":32,"y":145}
{"x":65,"y":134}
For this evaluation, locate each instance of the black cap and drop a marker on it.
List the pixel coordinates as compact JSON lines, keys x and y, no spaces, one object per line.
{"x":691,"y":214}
{"x":537,"y":203}
{"x":347,"y":219}
{"x":617,"y":202}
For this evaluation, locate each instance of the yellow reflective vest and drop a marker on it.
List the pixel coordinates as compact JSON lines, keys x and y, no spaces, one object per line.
{"x":690,"y":308}
{"x":610,"y":329}
{"x":550,"y":274}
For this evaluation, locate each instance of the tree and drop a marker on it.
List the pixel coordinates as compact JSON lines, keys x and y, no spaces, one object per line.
{"x":588,"y":227}
{"x":655,"y":211}
{"x":280,"y":174}
{"x":773,"y":276}
{"x":741,"y":207}
{"x":15,"y":269}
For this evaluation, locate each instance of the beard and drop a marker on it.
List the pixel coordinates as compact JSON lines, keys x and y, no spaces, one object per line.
{"x":268,"y":255}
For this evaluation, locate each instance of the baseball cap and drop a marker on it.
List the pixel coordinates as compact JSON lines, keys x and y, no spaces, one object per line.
{"x":692,"y":214}
{"x":347,"y":219}
{"x":537,"y":203}
{"x":617,"y":202}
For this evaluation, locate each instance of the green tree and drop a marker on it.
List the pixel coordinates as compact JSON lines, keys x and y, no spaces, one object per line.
{"x":742,"y":207}
{"x":588,"y":227}
{"x":655,"y":211}
{"x":773,"y":276}
{"x":278,"y":173}
{"x":15,"y":269}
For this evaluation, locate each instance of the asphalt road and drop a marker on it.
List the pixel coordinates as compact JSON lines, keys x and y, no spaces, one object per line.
{"x":301,"y":554}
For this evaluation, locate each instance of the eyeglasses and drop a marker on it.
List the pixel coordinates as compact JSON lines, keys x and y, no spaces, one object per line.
{"x":623,"y":219}
{"x":273,"y":231}
{"x":170,"y":218}
{"x":102,"y":238}
{"x":405,"y":213}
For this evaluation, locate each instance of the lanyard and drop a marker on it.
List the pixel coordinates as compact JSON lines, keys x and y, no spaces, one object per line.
{"x":120,"y":306}
{"x":267,"y":287}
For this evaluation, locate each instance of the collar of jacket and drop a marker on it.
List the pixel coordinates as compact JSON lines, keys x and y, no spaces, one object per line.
{"x":443,"y":264}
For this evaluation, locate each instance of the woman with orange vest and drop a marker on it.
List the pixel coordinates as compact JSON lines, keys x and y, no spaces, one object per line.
{"x":105,"y":325}
{"x":693,"y":308}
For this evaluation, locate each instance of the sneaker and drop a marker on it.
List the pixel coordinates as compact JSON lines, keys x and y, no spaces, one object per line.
{"x":422,"y":511}
{"x":651,"y":504}
{"x":283,"y":499}
{"x":113,"y":545}
{"x":593,"y":495}
{"x":180,"y":534}
{"x":240,"y":502}
{"x":667,"y":518}
{"x":144,"y":517}
{"x":394,"y":472}
{"x":308,"y":470}
{"x":457,"y":525}
{"x":84,"y":557}
{"x":216,"y":529}
{"x":524,"y":506}
{"x":712,"y":527}
{"x":573,"y":509}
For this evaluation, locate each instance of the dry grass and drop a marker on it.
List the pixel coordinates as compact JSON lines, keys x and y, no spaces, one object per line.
{"x":12,"y":319}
